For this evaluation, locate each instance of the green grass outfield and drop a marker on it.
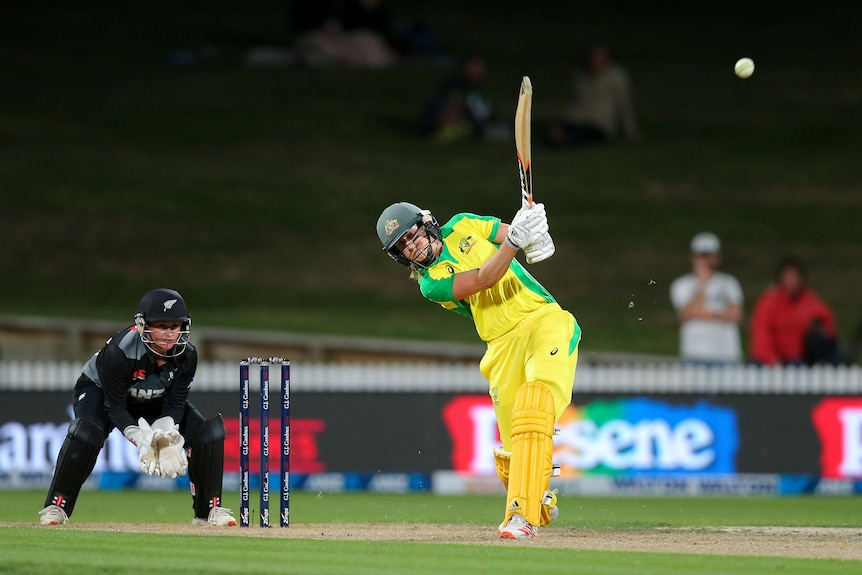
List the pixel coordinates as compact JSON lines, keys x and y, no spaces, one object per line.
{"x":116,"y":548}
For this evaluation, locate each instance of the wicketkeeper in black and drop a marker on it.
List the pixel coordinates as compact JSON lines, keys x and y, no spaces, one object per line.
{"x":139,"y":383}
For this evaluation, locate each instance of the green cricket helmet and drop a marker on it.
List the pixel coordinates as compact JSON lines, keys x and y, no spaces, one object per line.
{"x":396,"y":220}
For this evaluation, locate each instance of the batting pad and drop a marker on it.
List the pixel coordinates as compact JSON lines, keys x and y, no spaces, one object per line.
{"x":532,"y":452}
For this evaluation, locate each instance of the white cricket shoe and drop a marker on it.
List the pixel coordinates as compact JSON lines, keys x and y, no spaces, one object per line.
{"x":517,"y":528}
{"x":53,"y":515}
{"x":219,"y":516}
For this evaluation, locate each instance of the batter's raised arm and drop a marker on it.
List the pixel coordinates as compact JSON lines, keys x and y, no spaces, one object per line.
{"x":526,"y":225}
{"x":470,"y":282}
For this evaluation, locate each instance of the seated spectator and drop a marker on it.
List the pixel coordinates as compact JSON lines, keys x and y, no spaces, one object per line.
{"x":601,"y":108}
{"x":462,"y":106}
{"x":356,"y":34}
{"x":790,"y":324}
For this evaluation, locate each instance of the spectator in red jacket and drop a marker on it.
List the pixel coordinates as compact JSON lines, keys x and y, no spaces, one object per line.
{"x":790,"y":324}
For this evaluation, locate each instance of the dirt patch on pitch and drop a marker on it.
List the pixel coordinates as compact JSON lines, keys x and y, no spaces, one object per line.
{"x":804,"y":542}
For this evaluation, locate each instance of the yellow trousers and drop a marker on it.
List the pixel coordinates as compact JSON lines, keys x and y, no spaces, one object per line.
{"x":542,"y":348}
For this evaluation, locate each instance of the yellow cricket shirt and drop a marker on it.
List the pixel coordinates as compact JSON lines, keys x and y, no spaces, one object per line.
{"x":467,"y":244}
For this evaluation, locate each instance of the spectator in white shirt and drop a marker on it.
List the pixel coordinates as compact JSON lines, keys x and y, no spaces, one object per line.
{"x":709,"y":307}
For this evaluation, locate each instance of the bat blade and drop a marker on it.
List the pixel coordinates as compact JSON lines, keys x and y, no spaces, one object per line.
{"x":522,"y":139}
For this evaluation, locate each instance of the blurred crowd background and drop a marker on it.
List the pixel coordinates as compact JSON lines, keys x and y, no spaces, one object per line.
{"x":241,"y":152}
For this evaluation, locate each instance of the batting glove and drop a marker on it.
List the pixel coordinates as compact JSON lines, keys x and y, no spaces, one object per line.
{"x":529,"y":223}
{"x":518,"y":237}
{"x":541,"y":249}
{"x":537,"y":217}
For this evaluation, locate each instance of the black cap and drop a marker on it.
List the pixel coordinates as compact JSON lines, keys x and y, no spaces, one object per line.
{"x":163,"y":304}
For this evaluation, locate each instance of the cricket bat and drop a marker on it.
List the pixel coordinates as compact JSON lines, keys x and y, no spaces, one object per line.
{"x":522,"y":139}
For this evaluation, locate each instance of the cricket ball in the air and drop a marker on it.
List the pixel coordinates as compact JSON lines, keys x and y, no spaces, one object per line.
{"x":744,"y":67}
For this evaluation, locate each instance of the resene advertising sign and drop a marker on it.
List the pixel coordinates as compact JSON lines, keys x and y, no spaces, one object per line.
{"x":647,"y":436}
{"x":639,"y":436}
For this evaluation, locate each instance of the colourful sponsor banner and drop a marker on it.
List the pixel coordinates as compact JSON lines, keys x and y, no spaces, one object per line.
{"x":647,"y":436}
{"x":838,"y":423}
{"x":601,"y":435}
{"x":631,"y":436}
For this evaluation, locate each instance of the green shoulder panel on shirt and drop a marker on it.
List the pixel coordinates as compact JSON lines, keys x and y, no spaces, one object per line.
{"x":576,"y":338}
{"x":440,"y":291}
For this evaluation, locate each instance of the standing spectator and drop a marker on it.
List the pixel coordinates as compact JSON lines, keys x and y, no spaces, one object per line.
{"x":790,"y":324}
{"x":601,"y":108}
{"x":709,"y":307}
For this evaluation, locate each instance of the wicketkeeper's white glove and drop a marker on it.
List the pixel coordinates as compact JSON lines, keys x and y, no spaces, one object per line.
{"x":170,"y":448}
{"x":142,"y":435}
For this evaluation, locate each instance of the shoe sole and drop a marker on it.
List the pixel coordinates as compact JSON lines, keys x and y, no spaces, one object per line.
{"x":510,"y":535}
{"x":232,"y":524}
{"x":52,"y":522}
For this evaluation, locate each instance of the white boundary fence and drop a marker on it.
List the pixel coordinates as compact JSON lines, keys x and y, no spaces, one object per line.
{"x":420,"y":377}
